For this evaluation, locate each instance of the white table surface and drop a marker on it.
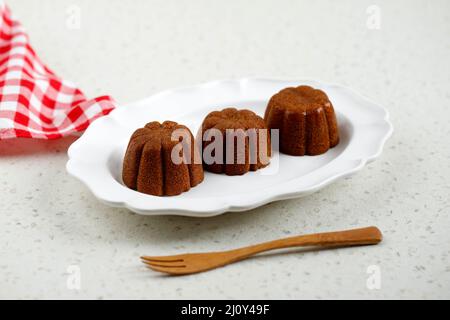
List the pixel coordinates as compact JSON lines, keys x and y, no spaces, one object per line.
{"x":132,"y":49}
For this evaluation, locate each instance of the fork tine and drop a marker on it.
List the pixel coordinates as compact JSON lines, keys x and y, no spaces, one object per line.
{"x":163,"y":264}
{"x":162,"y":259}
{"x":172,"y":271}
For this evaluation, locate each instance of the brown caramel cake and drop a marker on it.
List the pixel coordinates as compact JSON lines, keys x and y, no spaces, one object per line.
{"x":148,"y":166}
{"x":306,"y":120}
{"x":246,"y":156}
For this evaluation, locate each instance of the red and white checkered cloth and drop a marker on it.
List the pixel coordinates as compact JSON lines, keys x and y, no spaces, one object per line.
{"x":34,"y":102}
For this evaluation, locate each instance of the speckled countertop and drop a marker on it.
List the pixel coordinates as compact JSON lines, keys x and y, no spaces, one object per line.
{"x":52,"y":229}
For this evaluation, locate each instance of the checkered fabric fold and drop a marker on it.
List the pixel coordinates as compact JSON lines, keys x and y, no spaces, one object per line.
{"x":34,"y":102}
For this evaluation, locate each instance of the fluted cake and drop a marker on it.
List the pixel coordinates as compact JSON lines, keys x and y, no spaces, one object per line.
{"x":305,"y":119}
{"x":149,"y":168}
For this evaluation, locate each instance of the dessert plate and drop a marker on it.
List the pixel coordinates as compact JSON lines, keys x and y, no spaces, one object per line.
{"x":96,"y":158}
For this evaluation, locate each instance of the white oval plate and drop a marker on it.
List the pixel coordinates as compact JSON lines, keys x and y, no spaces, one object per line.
{"x":96,"y":158}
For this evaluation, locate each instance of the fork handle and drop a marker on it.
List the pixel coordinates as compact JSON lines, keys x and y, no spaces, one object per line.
{"x":356,"y":237}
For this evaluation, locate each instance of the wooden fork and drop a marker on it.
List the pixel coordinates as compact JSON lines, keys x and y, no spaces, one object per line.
{"x":198,"y":262}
